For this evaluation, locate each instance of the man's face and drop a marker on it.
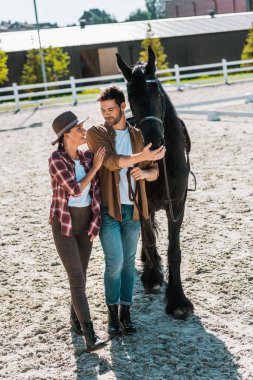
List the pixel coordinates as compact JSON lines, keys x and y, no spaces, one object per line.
{"x":111,"y":112}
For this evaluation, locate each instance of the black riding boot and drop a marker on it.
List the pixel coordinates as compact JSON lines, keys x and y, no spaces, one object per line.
{"x":74,"y":322}
{"x":113,"y":320}
{"x":93,"y":342}
{"x":125,"y":319}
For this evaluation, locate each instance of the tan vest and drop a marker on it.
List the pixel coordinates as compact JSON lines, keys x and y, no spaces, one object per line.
{"x":109,"y":173}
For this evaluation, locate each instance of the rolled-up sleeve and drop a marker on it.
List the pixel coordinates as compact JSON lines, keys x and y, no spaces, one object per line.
{"x":96,"y":139}
{"x":61,"y":173}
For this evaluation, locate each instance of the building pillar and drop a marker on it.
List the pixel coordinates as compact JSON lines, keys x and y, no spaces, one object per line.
{"x":248,"y":6}
{"x":194,"y":8}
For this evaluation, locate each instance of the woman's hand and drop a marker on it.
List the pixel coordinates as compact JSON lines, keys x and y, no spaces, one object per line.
{"x":92,"y":237}
{"x":98,"y":158}
{"x":153,"y":155}
{"x":138,"y":173}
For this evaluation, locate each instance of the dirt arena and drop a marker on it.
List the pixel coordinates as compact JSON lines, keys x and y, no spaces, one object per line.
{"x":216,"y":343}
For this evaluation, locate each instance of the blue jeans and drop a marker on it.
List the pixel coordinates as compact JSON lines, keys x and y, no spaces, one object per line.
{"x":119,"y":242}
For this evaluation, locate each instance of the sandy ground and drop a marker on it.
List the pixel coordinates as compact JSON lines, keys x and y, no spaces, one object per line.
{"x":215,"y":343}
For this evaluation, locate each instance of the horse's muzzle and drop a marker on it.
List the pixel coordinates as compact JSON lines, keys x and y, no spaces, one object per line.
{"x":155,"y":144}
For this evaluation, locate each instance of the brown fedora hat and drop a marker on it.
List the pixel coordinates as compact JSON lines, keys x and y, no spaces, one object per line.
{"x":64,"y":122}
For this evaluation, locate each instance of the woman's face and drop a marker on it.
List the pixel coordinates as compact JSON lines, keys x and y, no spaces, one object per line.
{"x":76,"y":136}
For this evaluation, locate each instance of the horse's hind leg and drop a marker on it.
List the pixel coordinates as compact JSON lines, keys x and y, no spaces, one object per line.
{"x":152,"y":277}
{"x":177,"y":303}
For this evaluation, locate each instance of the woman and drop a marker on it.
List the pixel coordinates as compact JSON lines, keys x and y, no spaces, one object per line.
{"x":75,"y":213}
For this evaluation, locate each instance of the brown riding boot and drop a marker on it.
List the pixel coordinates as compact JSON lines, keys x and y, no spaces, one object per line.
{"x":93,"y":342}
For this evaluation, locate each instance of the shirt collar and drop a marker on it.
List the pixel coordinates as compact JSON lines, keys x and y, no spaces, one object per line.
{"x":112,"y":132}
{"x":82,"y":154}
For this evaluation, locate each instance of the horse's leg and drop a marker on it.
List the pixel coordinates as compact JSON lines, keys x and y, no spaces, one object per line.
{"x":152,"y":277}
{"x":177,"y":303}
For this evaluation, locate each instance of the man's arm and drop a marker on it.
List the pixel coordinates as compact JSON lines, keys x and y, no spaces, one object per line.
{"x":113,"y":161}
{"x":145,"y":155}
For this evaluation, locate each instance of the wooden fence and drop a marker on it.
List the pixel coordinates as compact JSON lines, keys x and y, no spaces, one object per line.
{"x":72,"y":91}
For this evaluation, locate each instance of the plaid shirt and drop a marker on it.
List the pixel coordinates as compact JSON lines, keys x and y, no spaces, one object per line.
{"x":64,"y":184}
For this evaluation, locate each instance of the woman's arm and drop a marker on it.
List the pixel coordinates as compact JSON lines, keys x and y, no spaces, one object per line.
{"x":59,"y":170}
{"x":61,"y":173}
{"x":97,"y":162}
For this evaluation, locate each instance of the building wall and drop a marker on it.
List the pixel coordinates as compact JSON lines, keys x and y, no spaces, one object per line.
{"x":185,"y":51}
{"x":204,"y":49}
{"x":194,"y":50}
{"x":187,"y":8}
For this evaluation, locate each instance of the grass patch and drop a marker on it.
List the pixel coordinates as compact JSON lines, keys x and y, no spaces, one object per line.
{"x":212,"y":78}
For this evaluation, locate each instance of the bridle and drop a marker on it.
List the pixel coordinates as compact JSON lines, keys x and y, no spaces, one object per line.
{"x":151,"y":117}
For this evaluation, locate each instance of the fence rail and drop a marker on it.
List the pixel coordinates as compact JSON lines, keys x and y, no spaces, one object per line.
{"x":213,"y":114}
{"x":12,"y":97}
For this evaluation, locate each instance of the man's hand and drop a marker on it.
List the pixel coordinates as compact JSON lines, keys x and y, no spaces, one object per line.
{"x":153,"y":155}
{"x":138,"y":173}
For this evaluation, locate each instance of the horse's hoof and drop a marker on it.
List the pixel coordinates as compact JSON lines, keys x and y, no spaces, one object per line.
{"x":182,"y":313}
{"x":156,"y":289}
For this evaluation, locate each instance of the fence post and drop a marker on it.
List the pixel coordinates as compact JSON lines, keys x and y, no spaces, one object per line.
{"x":177,"y":75}
{"x":15,"y":92}
{"x":249,"y":98}
{"x":73,"y":88}
{"x":225,"y":70}
{"x":212,"y":115}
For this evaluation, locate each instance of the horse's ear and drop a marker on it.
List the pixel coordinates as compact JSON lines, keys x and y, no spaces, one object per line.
{"x":126,"y":70}
{"x":150,"y":69}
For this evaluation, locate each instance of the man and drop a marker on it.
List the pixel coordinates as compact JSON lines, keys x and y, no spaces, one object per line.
{"x":120,"y":219}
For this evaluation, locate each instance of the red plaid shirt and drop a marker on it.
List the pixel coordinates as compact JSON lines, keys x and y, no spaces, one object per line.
{"x":64,"y":184}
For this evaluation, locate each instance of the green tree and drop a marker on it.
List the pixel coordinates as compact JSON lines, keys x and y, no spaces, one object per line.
{"x":3,"y":67}
{"x":138,"y":15}
{"x":97,"y":16}
{"x":158,"y":48}
{"x":247,"y":52}
{"x":56,"y":63}
{"x":156,"y":8}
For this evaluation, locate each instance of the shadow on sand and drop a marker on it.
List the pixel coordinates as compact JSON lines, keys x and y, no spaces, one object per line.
{"x":162,"y":349}
{"x":33,"y":125}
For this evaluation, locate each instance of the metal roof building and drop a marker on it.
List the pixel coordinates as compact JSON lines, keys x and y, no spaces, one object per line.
{"x":125,"y":31}
{"x":187,"y":41}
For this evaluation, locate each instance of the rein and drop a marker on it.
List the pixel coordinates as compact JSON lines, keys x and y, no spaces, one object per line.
{"x":149,"y":118}
{"x":169,"y":200}
{"x":147,"y":232}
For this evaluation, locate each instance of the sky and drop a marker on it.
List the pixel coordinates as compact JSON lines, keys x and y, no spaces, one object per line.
{"x":64,"y":12}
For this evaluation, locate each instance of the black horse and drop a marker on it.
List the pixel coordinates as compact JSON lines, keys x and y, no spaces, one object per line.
{"x":155,"y":115}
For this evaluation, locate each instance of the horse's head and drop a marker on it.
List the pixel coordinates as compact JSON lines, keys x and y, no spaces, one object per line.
{"x":146,"y":98}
